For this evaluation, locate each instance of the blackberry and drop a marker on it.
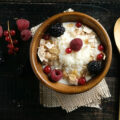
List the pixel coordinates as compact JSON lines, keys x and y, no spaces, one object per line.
{"x":95,"y":67}
{"x":56,"y":30}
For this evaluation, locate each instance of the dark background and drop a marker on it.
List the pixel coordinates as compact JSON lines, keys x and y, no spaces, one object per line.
{"x":19,"y":88}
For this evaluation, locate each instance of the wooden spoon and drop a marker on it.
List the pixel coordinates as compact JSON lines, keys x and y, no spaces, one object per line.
{"x":117,"y":41}
{"x":117,"y":33}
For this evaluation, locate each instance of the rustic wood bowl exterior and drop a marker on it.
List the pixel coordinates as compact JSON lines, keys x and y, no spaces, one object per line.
{"x":70,"y":17}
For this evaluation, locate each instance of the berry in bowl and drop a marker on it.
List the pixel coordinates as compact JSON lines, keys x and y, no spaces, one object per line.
{"x":70,"y":52}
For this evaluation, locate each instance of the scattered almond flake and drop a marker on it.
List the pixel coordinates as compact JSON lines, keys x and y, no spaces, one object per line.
{"x":70,"y":25}
{"x":104,"y":56}
{"x":69,"y":10}
{"x":65,"y":74}
{"x":41,"y":54}
{"x":54,"y":57}
{"x":47,"y":55}
{"x":72,"y":79}
{"x":49,"y":45}
{"x":54,"y":50}
{"x":86,"y":41}
{"x":42,"y":42}
{"x":87,"y":30}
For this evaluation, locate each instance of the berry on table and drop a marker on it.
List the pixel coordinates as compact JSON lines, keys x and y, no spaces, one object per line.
{"x":6,"y":33}
{"x":47,"y":69}
{"x":68,"y":50}
{"x":56,"y":30}
{"x":12,"y":32}
{"x":22,"y":24}
{"x":16,"y":49}
{"x":56,"y":75}
{"x":26,"y":35}
{"x":10,"y":46}
{"x":78,"y":24}
{"x":10,"y":51}
{"x":100,"y":47}
{"x":15,"y":42}
{"x":7,"y":38}
{"x":95,"y":67}
{"x":1,"y":31}
{"x":82,"y":81}
{"x":76,"y":44}
{"x":100,"y":56}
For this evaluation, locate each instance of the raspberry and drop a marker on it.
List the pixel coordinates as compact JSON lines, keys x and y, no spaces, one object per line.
{"x":47,"y":69}
{"x":95,"y":67}
{"x":82,"y":81}
{"x":76,"y":44}
{"x":22,"y":24}
{"x":1,"y":31}
{"x":26,"y":35}
{"x":56,"y":75}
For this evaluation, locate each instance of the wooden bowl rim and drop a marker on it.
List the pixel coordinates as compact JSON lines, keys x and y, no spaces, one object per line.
{"x":70,"y":89}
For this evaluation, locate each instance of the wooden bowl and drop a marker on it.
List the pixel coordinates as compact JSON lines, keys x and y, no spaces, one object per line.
{"x":70,"y":17}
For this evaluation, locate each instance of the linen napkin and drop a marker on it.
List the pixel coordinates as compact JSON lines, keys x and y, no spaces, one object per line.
{"x":90,"y":98}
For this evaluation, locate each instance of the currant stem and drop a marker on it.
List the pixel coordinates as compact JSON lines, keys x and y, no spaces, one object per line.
{"x":9,"y":32}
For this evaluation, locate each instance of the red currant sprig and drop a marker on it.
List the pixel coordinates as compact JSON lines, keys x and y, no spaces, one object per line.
{"x":11,"y":43}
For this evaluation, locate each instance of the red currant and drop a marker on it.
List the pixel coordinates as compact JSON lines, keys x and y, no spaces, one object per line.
{"x":6,"y":33}
{"x":10,"y":46}
{"x":12,"y":32}
{"x":46,"y":37}
{"x":100,"y":56}
{"x":78,"y":24}
{"x":16,"y":49}
{"x":68,"y":50}
{"x":100,"y":47}
{"x":7,"y":38}
{"x":10,"y":51}
{"x":15,"y":42}
{"x":47,"y":69}
{"x":82,"y":81}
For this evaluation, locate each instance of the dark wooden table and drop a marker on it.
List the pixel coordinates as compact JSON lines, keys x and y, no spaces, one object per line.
{"x":19,"y":88}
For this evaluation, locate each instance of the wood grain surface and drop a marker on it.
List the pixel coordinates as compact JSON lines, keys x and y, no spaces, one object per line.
{"x":19,"y":88}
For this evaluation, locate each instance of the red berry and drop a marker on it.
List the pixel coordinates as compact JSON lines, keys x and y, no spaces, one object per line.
{"x":22,"y":24}
{"x":68,"y":50}
{"x":10,"y":46}
{"x":56,"y":75}
{"x":100,"y":47}
{"x":7,"y":38}
{"x":16,"y":49}
{"x":100,"y":56}
{"x":15,"y":42}
{"x":26,"y":35}
{"x":6,"y":33}
{"x":76,"y":44}
{"x":82,"y":81}
{"x":46,"y":37}
{"x":47,"y":69}
{"x":1,"y":31}
{"x":10,"y":51}
{"x":12,"y":32}
{"x":78,"y":24}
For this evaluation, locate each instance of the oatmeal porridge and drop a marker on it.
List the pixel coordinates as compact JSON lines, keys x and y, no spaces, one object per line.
{"x":71,"y":53}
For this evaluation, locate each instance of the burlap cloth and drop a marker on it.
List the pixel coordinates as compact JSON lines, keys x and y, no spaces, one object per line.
{"x":91,"y":98}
